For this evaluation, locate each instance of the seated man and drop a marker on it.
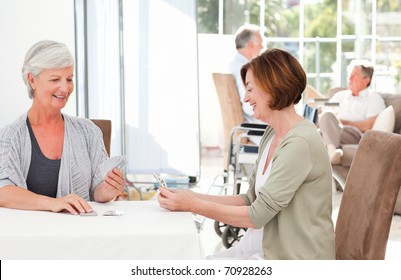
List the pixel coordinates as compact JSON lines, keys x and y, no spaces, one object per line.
{"x":248,"y":42}
{"x":358,"y":109}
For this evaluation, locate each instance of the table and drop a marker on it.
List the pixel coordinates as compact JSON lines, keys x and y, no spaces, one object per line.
{"x":145,"y":231}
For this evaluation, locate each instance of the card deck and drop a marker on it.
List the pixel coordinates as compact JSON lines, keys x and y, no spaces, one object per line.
{"x":118,"y":162}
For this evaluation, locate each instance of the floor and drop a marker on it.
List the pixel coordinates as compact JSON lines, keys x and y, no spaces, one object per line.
{"x":212,"y":165}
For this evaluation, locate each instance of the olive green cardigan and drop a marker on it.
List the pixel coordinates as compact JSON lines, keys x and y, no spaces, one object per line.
{"x":295,"y":204}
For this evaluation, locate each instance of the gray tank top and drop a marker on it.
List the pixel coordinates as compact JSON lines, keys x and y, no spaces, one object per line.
{"x":43,"y":172}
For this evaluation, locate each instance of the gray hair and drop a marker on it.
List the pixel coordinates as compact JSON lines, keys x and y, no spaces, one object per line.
{"x":245,"y":34}
{"x":365,"y":65}
{"x":45,"y":55}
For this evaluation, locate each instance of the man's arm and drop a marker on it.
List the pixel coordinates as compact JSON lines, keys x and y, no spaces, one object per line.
{"x":361,"y":125}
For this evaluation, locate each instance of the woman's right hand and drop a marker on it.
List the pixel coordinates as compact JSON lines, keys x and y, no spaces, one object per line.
{"x":71,"y":203}
{"x":176,"y":200}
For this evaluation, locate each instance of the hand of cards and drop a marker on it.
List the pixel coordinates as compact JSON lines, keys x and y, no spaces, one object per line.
{"x":160,"y":180}
{"x":118,"y":162}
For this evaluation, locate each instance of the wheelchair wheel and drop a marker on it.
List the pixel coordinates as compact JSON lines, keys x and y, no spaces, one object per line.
{"x":219,"y":227}
{"x":231,"y":235}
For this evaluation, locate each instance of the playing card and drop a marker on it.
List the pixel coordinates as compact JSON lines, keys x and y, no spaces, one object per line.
{"x":118,"y":162}
{"x":92,"y":213}
{"x":160,"y":180}
{"x":113,"y":213}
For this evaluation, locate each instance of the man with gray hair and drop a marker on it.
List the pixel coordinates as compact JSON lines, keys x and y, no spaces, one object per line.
{"x":358,"y":109}
{"x":248,"y":42}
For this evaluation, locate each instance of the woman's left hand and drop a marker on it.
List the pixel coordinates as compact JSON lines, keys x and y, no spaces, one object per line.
{"x":112,"y":186}
{"x":115,"y":180}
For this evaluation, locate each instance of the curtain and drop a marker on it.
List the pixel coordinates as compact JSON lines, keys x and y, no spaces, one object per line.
{"x":98,"y":64}
{"x":157,"y":85}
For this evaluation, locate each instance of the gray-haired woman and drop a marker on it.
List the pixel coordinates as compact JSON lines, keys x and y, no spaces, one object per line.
{"x":50,"y":160}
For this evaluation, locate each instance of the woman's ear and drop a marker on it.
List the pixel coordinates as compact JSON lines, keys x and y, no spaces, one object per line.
{"x":31,"y":81}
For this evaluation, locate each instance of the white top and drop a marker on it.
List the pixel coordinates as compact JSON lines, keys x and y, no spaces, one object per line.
{"x":358,"y":108}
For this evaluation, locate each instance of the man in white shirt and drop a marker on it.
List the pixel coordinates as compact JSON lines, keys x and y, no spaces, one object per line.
{"x":358,"y":109}
{"x":249,"y":43}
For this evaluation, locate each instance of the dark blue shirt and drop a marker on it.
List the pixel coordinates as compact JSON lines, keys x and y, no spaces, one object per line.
{"x":43,"y":172}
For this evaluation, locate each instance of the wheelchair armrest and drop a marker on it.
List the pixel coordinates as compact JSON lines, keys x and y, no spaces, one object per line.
{"x":254,"y":129}
{"x":251,"y":149}
{"x":254,"y":125}
{"x":255,"y":132}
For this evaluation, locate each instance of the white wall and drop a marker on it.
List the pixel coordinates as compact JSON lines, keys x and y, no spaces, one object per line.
{"x":23,"y":23}
{"x":215,"y":53}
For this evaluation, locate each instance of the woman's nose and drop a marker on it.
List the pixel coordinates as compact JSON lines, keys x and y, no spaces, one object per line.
{"x":246,"y":97}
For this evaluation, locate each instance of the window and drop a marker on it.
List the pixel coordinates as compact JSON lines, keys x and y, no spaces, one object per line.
{"x":323,"y":34}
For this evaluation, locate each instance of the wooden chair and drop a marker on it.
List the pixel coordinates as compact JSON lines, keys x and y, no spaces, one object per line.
{"x":105,"y":127}
{"x":136,"y":194}
{"x":367,"y":206}
{"x":230,"y":107}
{"x":313,"y":97}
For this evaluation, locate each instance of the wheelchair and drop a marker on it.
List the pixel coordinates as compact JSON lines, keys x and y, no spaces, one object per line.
{"x":243,"y":152}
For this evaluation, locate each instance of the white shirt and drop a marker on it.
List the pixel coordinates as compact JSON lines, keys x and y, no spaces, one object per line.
{"x":358,"y":108}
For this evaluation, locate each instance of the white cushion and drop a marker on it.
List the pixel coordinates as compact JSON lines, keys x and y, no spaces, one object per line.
{"x":385,"y":121}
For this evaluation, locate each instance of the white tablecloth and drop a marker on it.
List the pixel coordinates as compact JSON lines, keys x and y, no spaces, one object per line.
{"x":145,"y":231}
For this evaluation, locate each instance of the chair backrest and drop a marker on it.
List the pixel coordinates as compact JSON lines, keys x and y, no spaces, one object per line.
{"x":311,"y":113}
{"x":311,"y":93}
{"x":105,"y":127}
{"x":230,"y":104}
{"x":395,"y":101}
{"x":330,"y":93}
{"x":370,"y":193}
